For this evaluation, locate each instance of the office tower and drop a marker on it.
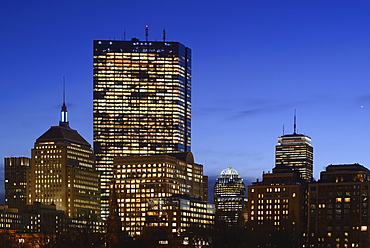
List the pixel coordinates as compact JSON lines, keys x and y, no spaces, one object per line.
{"x":16,"y":181}
{"x":142,"y":101}
{"x":295,"y":151}
{"x":62,"y":172}
{"x":277,"y":209}
{"x":138,"y":179}
{"x":229,"y":197}
{"x":339,"y":207}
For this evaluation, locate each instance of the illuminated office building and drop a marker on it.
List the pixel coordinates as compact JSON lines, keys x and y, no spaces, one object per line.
{"x":229,"y":197}
{"x":16,"y":181}
{"x":295,"y":151}
{"x":339,"y":208}
{"x":174,"y":215}
{"x":277,"y":209}
{"x":142,"y":101}
{"x":138,"y":179}
{"x":62,"y":172}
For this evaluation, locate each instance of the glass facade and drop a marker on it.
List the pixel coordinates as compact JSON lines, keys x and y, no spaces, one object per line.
{"x":142,"y":102}
{"x":296,"y":152}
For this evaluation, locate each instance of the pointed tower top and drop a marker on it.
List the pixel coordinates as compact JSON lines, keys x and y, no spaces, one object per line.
{"x":63,"y":117}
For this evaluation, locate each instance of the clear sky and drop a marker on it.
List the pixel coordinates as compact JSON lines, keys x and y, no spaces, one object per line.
{"x":253,"y":63}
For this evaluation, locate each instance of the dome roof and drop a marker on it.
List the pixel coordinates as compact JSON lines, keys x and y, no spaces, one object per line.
{"x":229,"y":172}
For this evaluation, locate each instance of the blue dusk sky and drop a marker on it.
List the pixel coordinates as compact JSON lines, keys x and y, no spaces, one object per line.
{"x":253,"y":62}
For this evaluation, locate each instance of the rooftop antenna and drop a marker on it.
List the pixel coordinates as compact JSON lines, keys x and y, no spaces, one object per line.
{"x":164,"y":34}
{"x":146,"y":32}
{"x":295,"y":121}
{"x":124,"y":35}
{"x":63,"y":118}
{"x":283,"y":130}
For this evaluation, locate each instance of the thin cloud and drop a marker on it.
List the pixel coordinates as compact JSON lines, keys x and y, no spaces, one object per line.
{"x":364,"y":99}
{"x":234,"y":109}
{"x":208,"y":111}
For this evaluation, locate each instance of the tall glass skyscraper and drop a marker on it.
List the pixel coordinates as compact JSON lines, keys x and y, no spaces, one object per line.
{"x":142,"y":101}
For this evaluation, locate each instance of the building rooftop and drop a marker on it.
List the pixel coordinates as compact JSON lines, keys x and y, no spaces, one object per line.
{"x":229,"y":172}
{"x":63,"y":133}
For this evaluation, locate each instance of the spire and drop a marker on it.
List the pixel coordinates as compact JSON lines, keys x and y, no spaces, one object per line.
{"x":63,"y":113}
{"x":295,"y":122}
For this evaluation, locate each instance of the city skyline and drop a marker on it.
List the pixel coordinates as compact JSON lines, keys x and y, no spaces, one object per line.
{"x":271,"y":56}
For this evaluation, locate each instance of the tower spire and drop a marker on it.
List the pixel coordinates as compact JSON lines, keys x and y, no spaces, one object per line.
{"x":63,"y":113}
{"x":295,"y":122}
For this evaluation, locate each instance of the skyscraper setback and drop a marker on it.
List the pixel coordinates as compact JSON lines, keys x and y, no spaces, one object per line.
{"x":142,"y":101}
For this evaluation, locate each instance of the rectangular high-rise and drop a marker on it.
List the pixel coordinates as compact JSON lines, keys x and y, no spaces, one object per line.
{"x":142,"y":101}
{"x":16,"y":181}
{"x":296,"y":152}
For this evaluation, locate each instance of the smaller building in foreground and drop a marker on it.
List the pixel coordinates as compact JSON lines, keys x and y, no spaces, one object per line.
{"x":339,"y":209}
{"x":178,"y":217}
{"x":277,"y":209}
{"x":16,"y":169}
{"x":140,"y":179}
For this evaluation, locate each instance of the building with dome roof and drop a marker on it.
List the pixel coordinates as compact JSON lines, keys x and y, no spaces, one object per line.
{"x":229,"y":197}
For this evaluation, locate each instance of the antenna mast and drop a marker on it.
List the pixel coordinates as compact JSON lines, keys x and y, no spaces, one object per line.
{"x":63,"y":116}
{"x":164,"y":34}
{"x":146,"y":32}
{"x":64,"y":90}
{"x":295,"y":122}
